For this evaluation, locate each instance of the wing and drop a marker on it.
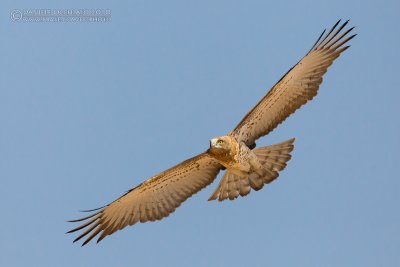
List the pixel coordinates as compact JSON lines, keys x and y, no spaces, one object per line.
{"x":152,"y":200}
{"x":299,"y":85}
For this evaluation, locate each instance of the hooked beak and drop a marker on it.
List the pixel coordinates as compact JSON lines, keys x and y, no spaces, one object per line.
{"x":213,"y":142}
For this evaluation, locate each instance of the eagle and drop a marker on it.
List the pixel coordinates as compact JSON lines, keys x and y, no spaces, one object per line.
{"x":246,"y":167}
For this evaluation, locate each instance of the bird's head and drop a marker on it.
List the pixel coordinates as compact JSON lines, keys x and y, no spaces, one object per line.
{"x":220,"y":144}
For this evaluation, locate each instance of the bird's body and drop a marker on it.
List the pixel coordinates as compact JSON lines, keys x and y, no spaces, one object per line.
{"x":234,"y":156}
{"x":247,"y":167}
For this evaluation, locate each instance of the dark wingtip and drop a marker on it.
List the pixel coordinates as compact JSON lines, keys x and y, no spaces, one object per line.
{"x":92,"y":209}
{"x":351,"y":37}
{"x":316,"y":42}
{"x":87,"y":217}
{"x":101,"y":237}
{"x":344,"y":48}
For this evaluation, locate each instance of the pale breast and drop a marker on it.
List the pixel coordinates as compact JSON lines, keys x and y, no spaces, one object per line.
{"x":239,"y":159}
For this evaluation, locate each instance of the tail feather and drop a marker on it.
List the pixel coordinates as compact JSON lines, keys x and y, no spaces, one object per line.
{"x":272,"y":158}
{"x":256,"y":182}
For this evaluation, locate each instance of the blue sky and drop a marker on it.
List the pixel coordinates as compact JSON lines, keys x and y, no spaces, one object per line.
{"x":89,"y":110}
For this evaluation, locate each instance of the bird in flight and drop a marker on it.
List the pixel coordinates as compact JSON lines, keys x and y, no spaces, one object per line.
{"x":246,"y":167}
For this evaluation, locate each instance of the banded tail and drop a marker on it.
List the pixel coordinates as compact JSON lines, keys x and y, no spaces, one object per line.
{"x":273,"y":159}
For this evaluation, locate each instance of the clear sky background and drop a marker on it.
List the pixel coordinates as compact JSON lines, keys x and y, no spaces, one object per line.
{"x":89,"y":110}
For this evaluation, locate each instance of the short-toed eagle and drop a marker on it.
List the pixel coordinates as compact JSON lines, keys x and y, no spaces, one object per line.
{"x":247,"y":167}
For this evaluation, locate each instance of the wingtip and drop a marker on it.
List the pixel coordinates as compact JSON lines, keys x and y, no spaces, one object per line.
{"x":91,"y":209}
{"x":336,"y":24}
{"x":341,"y":50}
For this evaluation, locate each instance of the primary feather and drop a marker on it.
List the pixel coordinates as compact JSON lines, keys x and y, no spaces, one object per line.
{"x":298,"y":86}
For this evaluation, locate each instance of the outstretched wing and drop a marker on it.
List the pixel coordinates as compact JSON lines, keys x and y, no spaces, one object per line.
{"x":152,"y":200}
{"x":299,"y":85}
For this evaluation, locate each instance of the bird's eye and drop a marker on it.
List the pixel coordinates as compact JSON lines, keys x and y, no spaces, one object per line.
{"x":219,"y":142}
